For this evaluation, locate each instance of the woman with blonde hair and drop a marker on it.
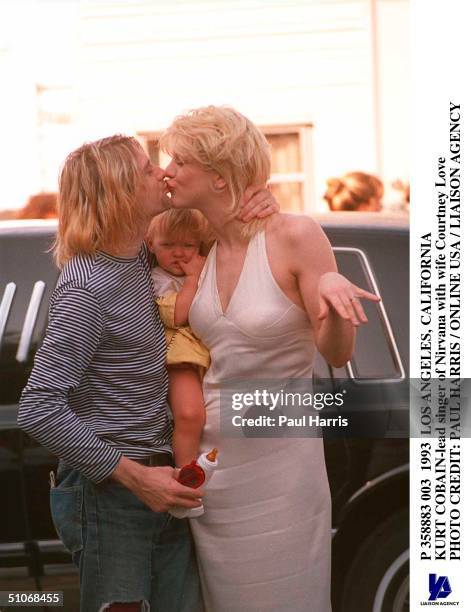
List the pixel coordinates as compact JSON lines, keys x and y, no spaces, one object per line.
{"x":355,"y":191}
{"x":269,"y":295}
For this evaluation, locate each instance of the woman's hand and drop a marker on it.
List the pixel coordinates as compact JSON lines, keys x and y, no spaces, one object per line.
{"x":338,"y":293}
{"x":258,"y":203}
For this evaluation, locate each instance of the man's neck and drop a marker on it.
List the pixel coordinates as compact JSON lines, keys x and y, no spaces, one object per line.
{"x":128,"y":251}
{"x":131,"y":248}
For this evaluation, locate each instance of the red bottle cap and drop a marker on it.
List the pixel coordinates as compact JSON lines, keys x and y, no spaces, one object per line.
{"x":191,"y":475}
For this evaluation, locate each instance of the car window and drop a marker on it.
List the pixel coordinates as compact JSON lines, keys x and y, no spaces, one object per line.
{"x":27,"y":278}
{"x":376,"y":355}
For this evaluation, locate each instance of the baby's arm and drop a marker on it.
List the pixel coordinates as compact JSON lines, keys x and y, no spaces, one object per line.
{"x":185,"y":296}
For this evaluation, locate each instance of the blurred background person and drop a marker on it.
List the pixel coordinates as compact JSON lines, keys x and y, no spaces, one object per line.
{"x":39,"y":206}
{"x":402,"y":188}
{"x":355,"y":191}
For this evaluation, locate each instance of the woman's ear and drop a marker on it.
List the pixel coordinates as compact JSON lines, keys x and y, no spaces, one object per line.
{"x":219,"y":183}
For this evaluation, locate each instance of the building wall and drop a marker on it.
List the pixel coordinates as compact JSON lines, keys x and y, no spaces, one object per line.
{"x":277,"y":62}
{"x":132,"y":65}
{"x":394,"y":88}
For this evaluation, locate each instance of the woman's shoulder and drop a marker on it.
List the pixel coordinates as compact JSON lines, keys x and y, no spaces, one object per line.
{"x":291,"y":228}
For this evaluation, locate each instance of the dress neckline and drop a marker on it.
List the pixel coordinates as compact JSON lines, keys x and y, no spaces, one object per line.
{"x":224,"y":312}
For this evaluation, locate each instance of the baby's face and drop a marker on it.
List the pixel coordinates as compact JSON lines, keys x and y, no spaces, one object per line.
{"x":171,"y":251}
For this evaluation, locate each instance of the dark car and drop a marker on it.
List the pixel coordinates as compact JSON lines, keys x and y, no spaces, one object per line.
{"x":368,"y":472}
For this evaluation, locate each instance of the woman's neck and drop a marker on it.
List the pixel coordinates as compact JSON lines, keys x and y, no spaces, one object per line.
{"x":226,"y":227}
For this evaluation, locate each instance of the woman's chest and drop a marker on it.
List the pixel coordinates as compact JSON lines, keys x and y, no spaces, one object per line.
{"x":228,"y":271}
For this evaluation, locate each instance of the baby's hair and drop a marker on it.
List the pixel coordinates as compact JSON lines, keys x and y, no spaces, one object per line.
{"x":176,"y":224}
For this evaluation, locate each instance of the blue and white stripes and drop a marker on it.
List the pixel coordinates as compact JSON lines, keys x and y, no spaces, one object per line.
{"x":98,"y":389}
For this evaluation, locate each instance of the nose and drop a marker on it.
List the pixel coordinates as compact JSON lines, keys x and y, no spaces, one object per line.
{"x":160,"y":173}
{"x":178,"y":251}
{"x":169,"y":171}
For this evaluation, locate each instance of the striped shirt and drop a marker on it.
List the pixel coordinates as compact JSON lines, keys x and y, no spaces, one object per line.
{"x":98,"y":389}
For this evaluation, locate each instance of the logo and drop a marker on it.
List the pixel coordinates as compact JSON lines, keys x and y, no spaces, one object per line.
{"x":439,"y":588}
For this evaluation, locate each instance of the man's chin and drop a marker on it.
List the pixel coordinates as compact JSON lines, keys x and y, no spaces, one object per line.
{"x":166,"y":203}
{"x":176,"y":203}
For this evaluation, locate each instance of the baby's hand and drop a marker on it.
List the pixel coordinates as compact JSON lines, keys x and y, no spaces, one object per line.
{"x":194,"y":266}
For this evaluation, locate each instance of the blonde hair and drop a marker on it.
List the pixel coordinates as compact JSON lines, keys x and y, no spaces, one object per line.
{"x":222,"y":140}
{"x":176,"y":224}
{"x":97,"y":198}
{"x":353,"y":191}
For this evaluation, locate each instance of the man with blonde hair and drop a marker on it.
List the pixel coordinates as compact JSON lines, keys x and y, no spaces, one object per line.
{"x":97,"y":395}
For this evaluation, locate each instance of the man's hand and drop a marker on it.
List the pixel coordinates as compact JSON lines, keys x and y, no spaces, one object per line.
{"x":157,"y":487}
{"x":259,"y":202}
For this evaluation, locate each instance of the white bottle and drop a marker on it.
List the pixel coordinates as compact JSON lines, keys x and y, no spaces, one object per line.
{"x":196,"y":475}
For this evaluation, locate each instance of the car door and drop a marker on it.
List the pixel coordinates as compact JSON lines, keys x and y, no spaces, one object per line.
{"x":29,"y":547}
{"x":376,"y":379}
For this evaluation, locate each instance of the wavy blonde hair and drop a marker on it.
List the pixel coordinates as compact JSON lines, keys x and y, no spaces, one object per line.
{"x":221,"y":139}
{"x":176,"y":224}
{"x":97,"y":198}
{"x":352,"y":191}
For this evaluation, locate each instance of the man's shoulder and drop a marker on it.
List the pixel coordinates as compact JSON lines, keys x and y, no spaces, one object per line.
{"x":74,"y":279}
{"x":77,"y":270}
{"x":89,"y":273}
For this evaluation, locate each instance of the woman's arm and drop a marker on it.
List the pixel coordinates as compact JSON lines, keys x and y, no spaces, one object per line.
{"x":331,"y":300}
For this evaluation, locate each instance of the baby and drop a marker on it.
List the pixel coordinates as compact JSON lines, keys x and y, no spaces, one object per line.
{"x":176,"y":237}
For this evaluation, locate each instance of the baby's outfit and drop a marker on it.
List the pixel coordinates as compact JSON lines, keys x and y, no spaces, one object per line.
{"x":182,"y":344}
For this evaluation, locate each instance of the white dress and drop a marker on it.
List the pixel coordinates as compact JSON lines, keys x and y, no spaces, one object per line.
{"x":263,"y":543}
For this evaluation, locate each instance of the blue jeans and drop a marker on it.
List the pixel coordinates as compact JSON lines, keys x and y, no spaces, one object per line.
{"x":125,"y":552}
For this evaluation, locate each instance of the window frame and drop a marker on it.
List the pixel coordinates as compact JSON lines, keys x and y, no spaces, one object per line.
{"x":305,"y":176}
{"x":384,"y":320}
